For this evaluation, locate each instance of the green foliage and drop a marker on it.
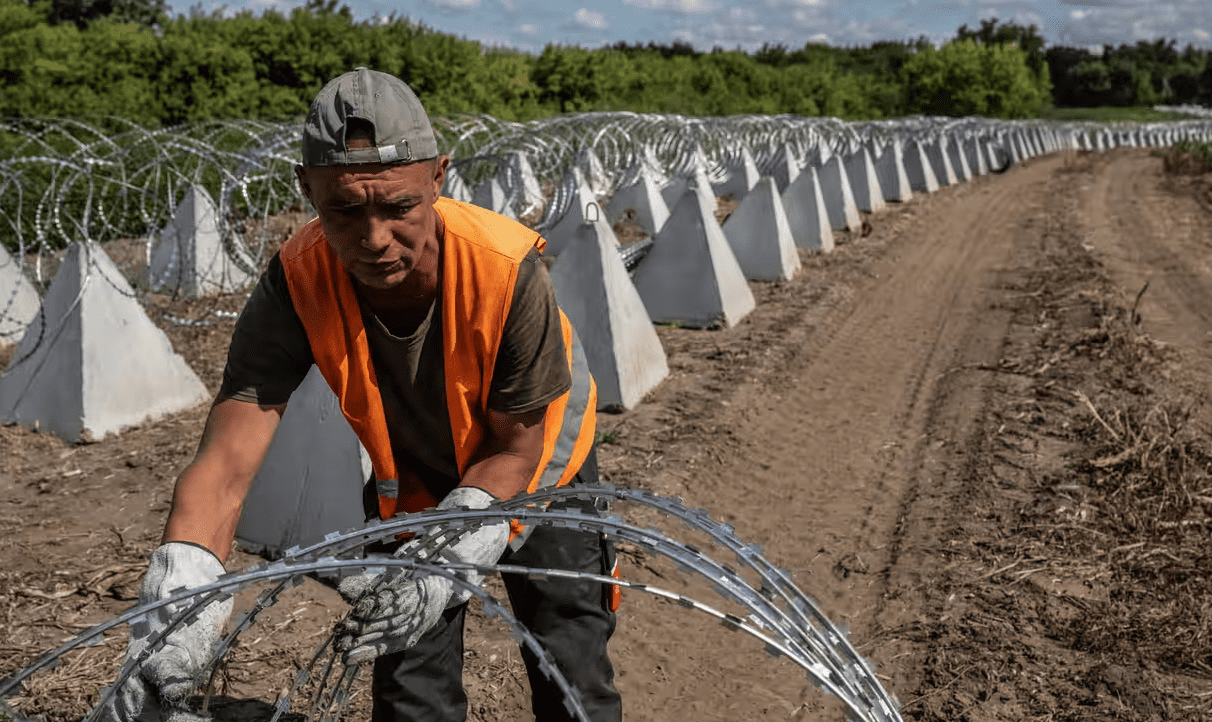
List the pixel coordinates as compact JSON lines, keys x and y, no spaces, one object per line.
{"x":966,"y":78}
{"x":1143,"y":74}
{"x":1016,"y":36}
{"x":127,"y":58}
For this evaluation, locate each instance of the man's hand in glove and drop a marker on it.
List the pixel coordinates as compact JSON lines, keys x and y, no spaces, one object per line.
{"x":392,"y":610}
{"x":160,"y":687}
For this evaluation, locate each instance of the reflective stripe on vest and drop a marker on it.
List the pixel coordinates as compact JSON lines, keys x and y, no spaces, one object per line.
{"x":481,"y":253}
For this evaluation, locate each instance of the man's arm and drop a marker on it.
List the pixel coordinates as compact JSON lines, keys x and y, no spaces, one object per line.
{"x":509,"y":455}
{"x":210,"y":491}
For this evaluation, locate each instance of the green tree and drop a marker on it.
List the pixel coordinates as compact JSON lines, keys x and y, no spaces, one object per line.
{"x":964,"y":78}
{"x":566,"y":77}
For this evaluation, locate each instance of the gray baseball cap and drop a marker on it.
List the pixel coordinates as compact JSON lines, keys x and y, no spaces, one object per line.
{"x":402,"y":132}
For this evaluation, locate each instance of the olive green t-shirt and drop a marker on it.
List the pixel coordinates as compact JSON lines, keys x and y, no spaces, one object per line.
{"x":270,"y":355}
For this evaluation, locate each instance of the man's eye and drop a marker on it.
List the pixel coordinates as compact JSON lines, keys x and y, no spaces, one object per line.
{"x":349,"y":211}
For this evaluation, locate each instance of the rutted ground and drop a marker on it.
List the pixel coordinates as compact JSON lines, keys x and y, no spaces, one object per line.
{"x":899,"y":427}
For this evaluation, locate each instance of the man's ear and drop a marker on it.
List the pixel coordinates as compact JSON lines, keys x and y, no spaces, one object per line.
{"x":439,"y":174}
{"x":304,"y":186}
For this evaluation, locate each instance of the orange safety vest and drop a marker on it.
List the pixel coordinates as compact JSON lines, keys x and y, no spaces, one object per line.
{"x":481,"y":252}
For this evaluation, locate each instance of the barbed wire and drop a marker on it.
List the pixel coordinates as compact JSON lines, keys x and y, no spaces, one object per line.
{"x":781,"y":617}
{"x":115,"y":185}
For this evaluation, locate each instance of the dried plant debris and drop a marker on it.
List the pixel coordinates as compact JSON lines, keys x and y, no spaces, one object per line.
{"x":1081,"y":585}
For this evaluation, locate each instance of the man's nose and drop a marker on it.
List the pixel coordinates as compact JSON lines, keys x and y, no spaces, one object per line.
{"x":377,"y":234}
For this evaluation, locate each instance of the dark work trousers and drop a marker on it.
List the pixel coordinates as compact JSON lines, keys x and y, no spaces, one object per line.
{"x":569,"y":618}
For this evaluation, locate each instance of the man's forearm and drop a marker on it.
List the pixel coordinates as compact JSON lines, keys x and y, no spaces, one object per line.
{"x":210,"y":492}
{"x":205,"y":512}
{"x":509,"y":455}
{"x":504,"y":474}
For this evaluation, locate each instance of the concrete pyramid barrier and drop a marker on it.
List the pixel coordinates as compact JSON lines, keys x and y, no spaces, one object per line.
{"x":1010,"y":148}
{"x":595,"y":173}
{"x":192,"y":258}
{"x":1019,"y":148}
{"x":517,"y":178}
{"x":311,"y":481}
{"x":596,"y":292}
{"x":890,"y":170}
{"x":742,"y":176}
{"x":640,"y":203}
{"x":491,"y":195}
{"x":760,"y":235}
{"x":582,"y":208}
{"x":959,"y":163}
{"x":786,"y":168}
{"x":868,"y":196}
{"x":19,"y":302}
{"x":917,"y":167}
{"x":806,"y":214}
{"x":975,"y":155}
{"x":675,"y":188}
{"x":454,"y":187}
{"x":998,"y":154}
{"x":691,"y":277}
{"x":839,"y":198}
{"x":99,"y":364}
{"x":940,"y":163}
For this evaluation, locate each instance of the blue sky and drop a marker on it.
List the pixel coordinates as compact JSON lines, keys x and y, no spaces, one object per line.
{"x":532,"y":24}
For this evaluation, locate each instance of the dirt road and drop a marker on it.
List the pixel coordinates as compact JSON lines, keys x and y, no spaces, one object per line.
{"x":885,"y":426}
{"x":830,"y":440}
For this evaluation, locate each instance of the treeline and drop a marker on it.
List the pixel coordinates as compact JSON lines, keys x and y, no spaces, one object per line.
{"x":128,"y":58}
{"x":1144,"y":74}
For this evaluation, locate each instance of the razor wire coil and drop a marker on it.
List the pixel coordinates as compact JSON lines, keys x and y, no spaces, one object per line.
{"x":781,"y":617}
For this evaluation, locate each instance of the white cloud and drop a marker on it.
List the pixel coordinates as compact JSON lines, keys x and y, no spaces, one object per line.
{"x":456,"y":6}
{"x":681,"y":7}
{"x":508,"y":5}
{"x":1108,"y":3}
{"x":742,"y":15}
{"x":590,"y":19}
{"x":1181,"y":20}
{"x":529,"y":29}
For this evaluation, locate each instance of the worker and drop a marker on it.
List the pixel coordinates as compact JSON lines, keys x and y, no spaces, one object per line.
{"x":435,"y":324}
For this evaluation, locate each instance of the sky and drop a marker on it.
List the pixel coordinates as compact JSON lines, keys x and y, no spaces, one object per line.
{"x":530,"y":25}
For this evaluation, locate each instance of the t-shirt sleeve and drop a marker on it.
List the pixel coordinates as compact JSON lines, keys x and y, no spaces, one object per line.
{"x":269,"y":353}
{"x":531,"y":369}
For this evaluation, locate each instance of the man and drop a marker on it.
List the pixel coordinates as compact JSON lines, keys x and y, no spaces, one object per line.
{"x":436,"y":325}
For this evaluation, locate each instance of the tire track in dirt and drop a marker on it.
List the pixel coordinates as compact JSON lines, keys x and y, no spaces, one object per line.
{"x":829,"y":465}
{"x":1146,"y":234}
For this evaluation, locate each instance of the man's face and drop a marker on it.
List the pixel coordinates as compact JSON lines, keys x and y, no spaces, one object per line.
{"x":379,"y":218}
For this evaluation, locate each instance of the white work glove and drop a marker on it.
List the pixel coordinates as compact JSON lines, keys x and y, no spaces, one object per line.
{"x":392,"y":610}
{"x":158,"y":690}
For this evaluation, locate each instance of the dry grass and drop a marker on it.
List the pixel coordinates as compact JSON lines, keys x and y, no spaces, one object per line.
{"x":1085,"y":564}
{"x":1187,"y":158}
